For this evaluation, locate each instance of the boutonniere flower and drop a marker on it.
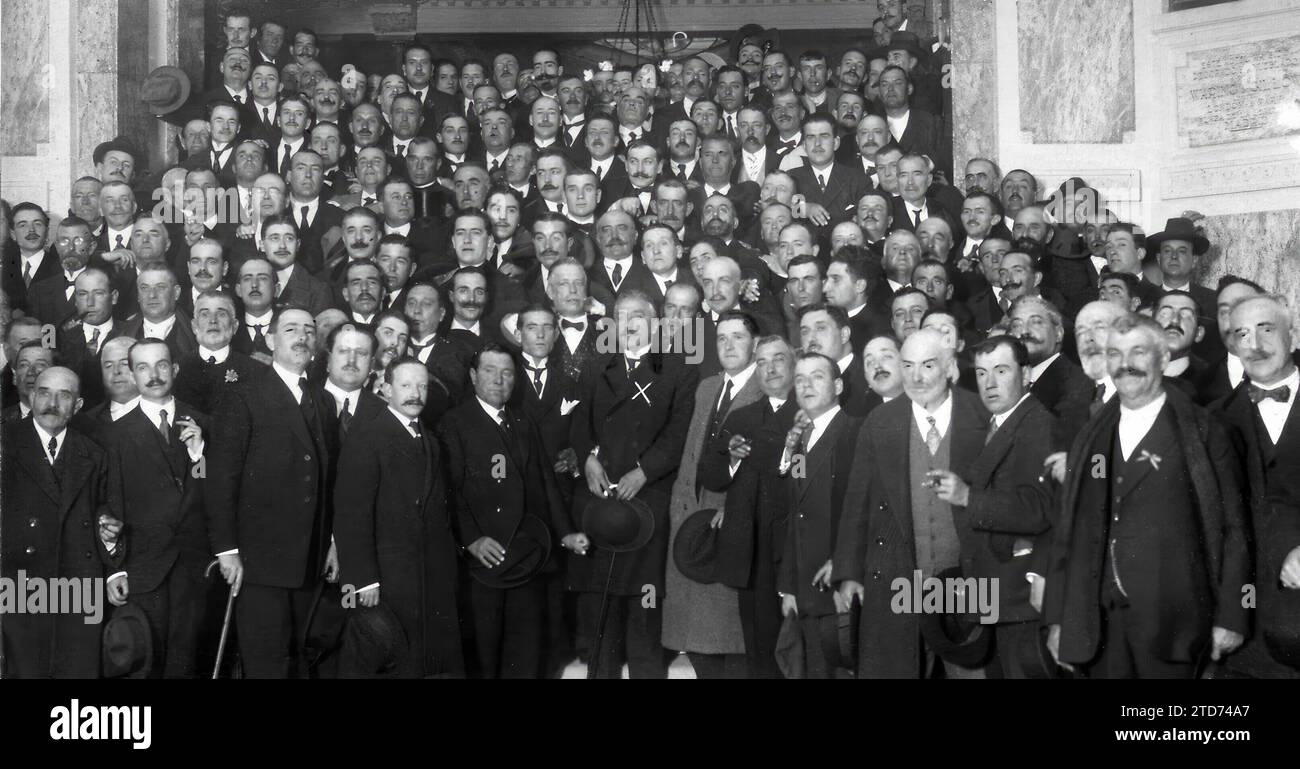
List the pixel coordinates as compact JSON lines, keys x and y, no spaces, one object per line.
{"x":1147,"y":456}
{"x":665,"y":65}
{"x":232,"y":375}
{"x":606,"y":66}
{"x":587,"y":74}
{"x":567,"y":406}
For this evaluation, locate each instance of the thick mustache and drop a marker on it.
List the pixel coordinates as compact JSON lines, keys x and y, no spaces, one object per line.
{"x":413,"y":402}
{"x":1175,"y":327}
{"x":880,"y":373}
{"x":1129,"y":371}
{"x":1012,"y":284}
{"x":300,"y":346}
{"x":155,"y":383}
{"x":1028,"y":337}
{"x":52,"y":411}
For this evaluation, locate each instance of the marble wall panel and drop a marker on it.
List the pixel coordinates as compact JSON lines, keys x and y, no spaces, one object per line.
{"x":27,"y":80}
{"x":1076,"y":70}
{"x":974,"y":81}
{"x":1263,"y":246}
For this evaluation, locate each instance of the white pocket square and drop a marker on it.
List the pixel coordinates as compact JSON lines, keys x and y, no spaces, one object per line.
{"x":567,"y":406}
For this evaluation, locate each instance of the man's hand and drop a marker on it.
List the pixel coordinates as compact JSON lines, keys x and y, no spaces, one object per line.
{"x":817,"y":214}
{"x":193,"y":230}
{"x":232,"y":568}
{"x":718,"y":518}
{"x":1224,"y":642}
{"x":121,"y":258}
{"x":1291,"y":570}
{"x":512,"y":270}
{"x":1054,"y":466}
{"x":597,"y":481}
{"x":850,"y":590}
{"x":1037,"y":587}
{"x":369,"y":598}
{"x":118,"y":590}
{"x":191,"y":434}
{"x":109,"y":530}
{"x":822,"y":578}
{"x":749,"y":290}
{"x":488,"y":551}
{"x":566,"y":462}
{"x":792,"y":438}
{"x":739,"y":447}
{"x":578,"y":543}
{"x":630,"y":484}
{"x":332,"y":564}
{"x":951,"y":489}
{"x":789,"y":605}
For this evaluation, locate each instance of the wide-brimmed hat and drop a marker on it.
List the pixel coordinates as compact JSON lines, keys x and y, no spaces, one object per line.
{"x":1179,"y":228}
{"x":527,"y":553}
{"x":958,"y":638}
{"x":116,"y":144}
{"x":374,"y":640}
{"x":618,"y":525}
{"x":323,"y":631}
{"x":697,"y":550}
{"x":128,"y":644}
{"x":905,"y":41}
{"x":1034,"y":657}
{"x":165,"y":90}
{"x":765,"y":38}
{"x":789,"y":648}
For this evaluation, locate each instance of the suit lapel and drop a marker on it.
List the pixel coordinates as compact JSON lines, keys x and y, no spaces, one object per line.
{"x":291,"y":409}
{"x":75,"y":467}
{"x":31,"y":455}
{"x":817,"y":460}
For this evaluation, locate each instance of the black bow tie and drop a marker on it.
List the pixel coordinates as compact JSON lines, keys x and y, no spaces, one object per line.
{"x":535,"y":369}
{"x":425,"y":346}
{"x":1280,"y":394}
{"x":785,"y":146}
{"x":575,"y":124}
{"x":579,"y":325}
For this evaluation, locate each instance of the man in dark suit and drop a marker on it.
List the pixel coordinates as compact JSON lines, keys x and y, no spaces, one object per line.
{"x":846,"y":287}
{"x":825,"y":329}
{"x":916,"y":130}
{"x":1052,"y":376}
{"x":661,"y":253}
{"x":1178,"y":249}
{"x":30,"y":261}
{"x":831,"y":190}
{"x":985,"y":303}
{"x":224,"y":117}
{"x":1223,"y":374}
{"x":214,"y":368}
{"x":294,"y":284}
{"x":1265,"y":428}
{"x":566,"y":288}
{"x":1177,"y":313}
{"x":255,"y":287}
{"x":1009,"y":511}
{"x":152,"y":488}
{"x":50,"y":299}
{"x":392,"y":528}
{"x":1137,"y":588}
{"x":315,"y":219}
{"x":547,"y":395}
{"x":19,"y":332}
{"x":499,"y":473}
{"x":118,"y":386}
{"x":265,"y":494}
{"x":448,"y":362}
{"x":717,"y":169}
{"x":916,"y":200}
{"x":57,"y":526}
{"x":894,"y":523}
{"x":629,"y":429}
{"x":618,"y":271}
{"x":80,"y":339}
{"x":159,"y":318}
{"x":816,"y":462}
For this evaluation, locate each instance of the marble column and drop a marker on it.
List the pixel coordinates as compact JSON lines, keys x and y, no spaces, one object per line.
{"x":96,"y":98}
{"x":974,"y":82}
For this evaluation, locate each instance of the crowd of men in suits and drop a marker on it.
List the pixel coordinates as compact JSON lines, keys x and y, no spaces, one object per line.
{"x":466,"y":313}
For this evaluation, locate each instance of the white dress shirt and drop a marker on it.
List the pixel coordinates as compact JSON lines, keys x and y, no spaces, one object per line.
{"x":1274,"y":413}
{"x":537,"y":363}
{"x":44,"y":437}
{"x":609,"y":269}
{"x":1236,"y":370}
{"x":295,"y":210}
{"x":490,"y":410}
{"x":572,"y":336}
{"x":112,"y":243}
{"x":257,"y":320}
{"x":738,"y":382}
{"x":103,"y":329}
{"x":898,"y":125}
{"x":942,"y":417}
{"x":755,"y":164}
{"x":218,"y":356}
{"x":118,"y":410}
{"x":341,"y":396}
{"x":601,"y":167}
{"x":819,"y":425}
{"x":1134,"y":424}
{"x":1037,"y":371}
{"x":290,"y":380}
{"x":475,"y":329}
{"x":998,"y":419}
{"x":158,"y":330}
{"x":153,"y":411}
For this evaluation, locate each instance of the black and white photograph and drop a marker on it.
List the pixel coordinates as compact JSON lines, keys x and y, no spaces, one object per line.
{"x":649,"y":339}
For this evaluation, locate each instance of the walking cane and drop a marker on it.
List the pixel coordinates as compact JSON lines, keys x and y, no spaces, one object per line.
{"x":592,"y":668}
{"x":225,"y":624}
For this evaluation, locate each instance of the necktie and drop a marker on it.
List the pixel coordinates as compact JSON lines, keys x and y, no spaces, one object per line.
{"x":1004,"y":302}
{"x":537,"y":378}
{"x":27,"y":268}
{"x":932,"y":438}
{"x":239,"y":98}
{"x":259,"y":336}
{"x":600,"y":174}
{"x":559,"y":208}
{"x":216,"y":161}
{"x":303,"y":224}
{"x":632,"y":363}
{"x":784,"y":147}
{"x":993,"y":429}
{"x":681,"y":171}
{"x":501,"y":420}
{"x":731,"y":127}
{"x":284,"y":161}
{"x":163,"y":427}
{"x":368,"y":200}
{"x":469,"y":112}
{"x":345,"y":417}
{"x":617,"y":277}
{"x":266,"y":117}
{"x":212,"y":360}
{"x":415,"y":428}
{"x":496,"y":166}
{"x":1097,"y":400}
{"x":821,"y":182}
{"x":916,"y":217}
{"x":120,"y":244}
{"x":54,"y":449}
{"x":1280,"y":394}
{"x":723,"y":405}
{"x":93,"y":345}
{"x":401,"y":150}
{"x":577,"y":325}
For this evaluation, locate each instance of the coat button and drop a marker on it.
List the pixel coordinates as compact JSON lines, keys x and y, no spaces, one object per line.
{"x":32,"y":522}
{"x":306,"y":457}
{"x":84,"y":524}
{"x":88,"y":553}
{"x":875,"y":575}
{"x":30,"y":550}
{"x":880,"y":541}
